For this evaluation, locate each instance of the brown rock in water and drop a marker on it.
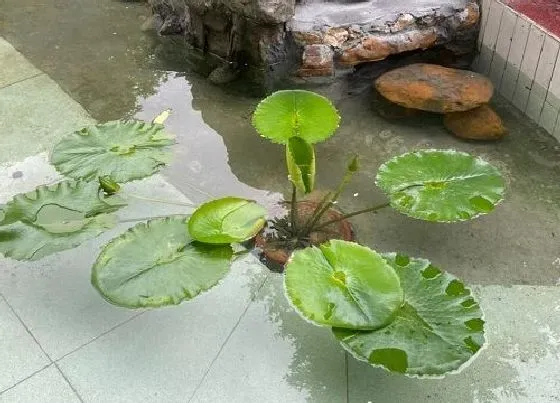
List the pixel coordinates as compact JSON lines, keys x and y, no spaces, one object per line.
{"x":477,"y":124}
{"x":434,"y":88}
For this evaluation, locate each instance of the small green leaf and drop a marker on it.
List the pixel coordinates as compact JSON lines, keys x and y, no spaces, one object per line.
{"x":123,"y":150}
{"x":227,"y":220}
{"x":55,"y":218}
{"x":300,"y":159}
{"x":292,"y":113}
{"x":441,"y":185}
{"x":437,"y":330}
{"x":108,"y":185}
{"x":354,"y":164}
{"x":342,"y":284}
{"x":157,"y":263}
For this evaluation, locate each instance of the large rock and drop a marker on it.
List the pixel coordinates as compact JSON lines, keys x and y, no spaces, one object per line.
{"x":434,"y":88}
{"x":477,"y":124}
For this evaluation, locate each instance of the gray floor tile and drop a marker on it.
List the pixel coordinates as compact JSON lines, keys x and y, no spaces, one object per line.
{"x":47,"y":386}
{"x":53,"y":296}
{"x":34,"y":114}
{"x":275,"y":356}
{"x":162,"y":355}
{"x":518,"y":365}
{"x":20,"y":356}
{"x":14,"y":67}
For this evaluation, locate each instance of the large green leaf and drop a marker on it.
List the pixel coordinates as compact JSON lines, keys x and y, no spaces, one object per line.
{"x":305,"y":114}
{"x":227,"y":220}
{"x":124,"y":151}
{"x":441,"y":185}
{"x":157,"y":263}
{"x":437,"y":330}
{"x":54,"y":218}
{"x":342,"y":284}
{"x":300,"y":159}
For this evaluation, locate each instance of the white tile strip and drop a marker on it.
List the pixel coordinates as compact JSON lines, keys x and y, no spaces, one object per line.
{"x":522,"y":60}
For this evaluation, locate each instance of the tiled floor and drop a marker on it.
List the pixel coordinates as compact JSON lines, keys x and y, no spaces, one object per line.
{"x":240,"y":342}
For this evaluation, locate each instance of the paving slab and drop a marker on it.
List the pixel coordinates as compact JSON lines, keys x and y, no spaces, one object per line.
{"x":162,"y":355}
{"x":47,"y":386}
{"x":520,"y":364}
{"x":14,"y":67}
{"x":20,"y":356}
{"x":275,"y":356}
{"x":34,"y":114}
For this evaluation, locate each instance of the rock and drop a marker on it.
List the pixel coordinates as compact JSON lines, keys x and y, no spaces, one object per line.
{"x":481,"y":123}
{"x":434,"y":88}
{"x":375,"y":47}
{"x":317,"y":61}
{"x":223,"y":75}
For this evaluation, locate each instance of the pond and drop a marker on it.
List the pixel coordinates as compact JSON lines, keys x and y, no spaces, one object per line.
{"x":104,"y":56}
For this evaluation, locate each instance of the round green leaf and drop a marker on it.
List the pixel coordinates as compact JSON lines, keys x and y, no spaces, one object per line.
{"x":157,"y":263}
{"x":300,"y":159}
{"x":305,"y":114}
{"x":124,"y":151}
{"x":54,"y":218}
{"x":342,"y":284}
{"x":437,"y":330}
{"x":441,"y":185}
{"x":227,"y":220}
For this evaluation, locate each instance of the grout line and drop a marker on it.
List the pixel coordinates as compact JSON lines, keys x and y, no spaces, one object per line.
{"x":520,"y":65}
{"x":27,"y":329}
{"x":23,"y":79}
{"x":197,"y":388}
{"x":44,"y":352}
{"x":508,"y":52}
{"x":69,"y":383}
{"x":495,"y":43}
{"x":534,"y":74}
{"x":25,"y":379}
{"x":549,"y":80}
{"x":99,"y":336}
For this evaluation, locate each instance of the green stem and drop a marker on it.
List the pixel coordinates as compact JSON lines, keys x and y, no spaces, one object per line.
{"x":160,"y":201}
{"x":293,"y":212}
{"x":355,"y":213}
{"x":317,"y":216}
{"x":144,"y":218}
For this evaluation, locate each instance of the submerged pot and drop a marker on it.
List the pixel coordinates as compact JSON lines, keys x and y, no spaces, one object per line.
{"x":276,"y":256}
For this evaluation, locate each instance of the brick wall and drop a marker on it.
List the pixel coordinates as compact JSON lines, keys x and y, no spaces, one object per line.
{"x":522,"y":60}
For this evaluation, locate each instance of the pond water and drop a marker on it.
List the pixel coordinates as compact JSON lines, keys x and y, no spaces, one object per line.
{"x":101,"y":55}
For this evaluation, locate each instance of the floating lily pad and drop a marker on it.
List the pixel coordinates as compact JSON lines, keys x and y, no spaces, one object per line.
{"x":441,"y":185}
{"x":300,"y":113}
{"x":125,"y":151}
{"x":55,"y":218}
{"x":300,"y":159}
{"x":343,"y":284}
{"x":227,"y":220}
{"x":437,"y":330}
{"x":157,"y":263}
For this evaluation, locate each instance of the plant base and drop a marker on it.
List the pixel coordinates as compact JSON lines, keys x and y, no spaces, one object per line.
{"x":277,"y":249}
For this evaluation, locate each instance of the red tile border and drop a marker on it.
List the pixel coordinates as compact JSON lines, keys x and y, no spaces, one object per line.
{"x":544,"y":12}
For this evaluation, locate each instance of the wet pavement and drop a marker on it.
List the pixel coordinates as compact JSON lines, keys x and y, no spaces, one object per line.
{"x":258,"y":349}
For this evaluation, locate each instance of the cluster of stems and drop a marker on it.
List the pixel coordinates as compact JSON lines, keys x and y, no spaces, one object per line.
{"x":328,"y":201}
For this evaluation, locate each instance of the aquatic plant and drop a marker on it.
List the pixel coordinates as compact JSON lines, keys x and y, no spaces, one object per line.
{"x":397,"y":312}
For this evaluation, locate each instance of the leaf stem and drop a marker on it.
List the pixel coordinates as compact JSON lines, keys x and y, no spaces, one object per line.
{"x":143,"y":218}
{"x":317,"y":215}
{"x":161,"y":201}
{"x":355,"y":213}
{"x":293,"y":212}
